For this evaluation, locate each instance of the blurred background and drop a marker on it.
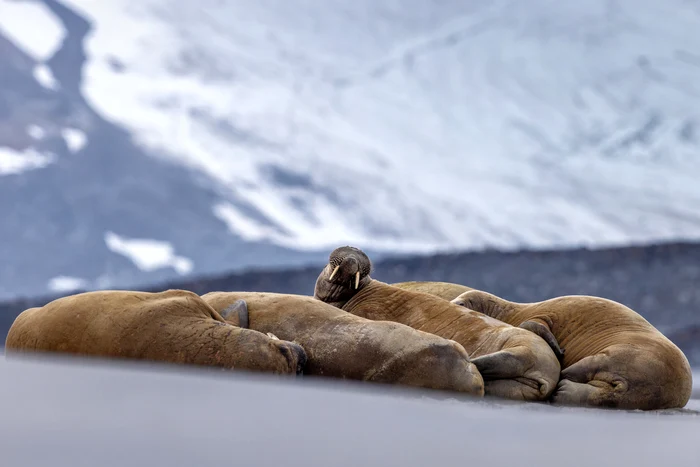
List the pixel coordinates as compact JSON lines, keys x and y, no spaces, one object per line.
{"x":528,"y":148}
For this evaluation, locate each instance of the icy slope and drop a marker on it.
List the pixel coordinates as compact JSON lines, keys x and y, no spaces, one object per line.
{"x":415,"y":125}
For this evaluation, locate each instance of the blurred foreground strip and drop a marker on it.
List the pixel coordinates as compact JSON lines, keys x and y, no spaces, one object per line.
{"x":68,"y":411}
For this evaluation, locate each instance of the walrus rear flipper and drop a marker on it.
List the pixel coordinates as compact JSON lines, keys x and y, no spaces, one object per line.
{"x":589,"y":382}
{"x":499,"y":365}
{"x":509,"y":374}
{"x":544,"y":332}
{"x":239,"y":307}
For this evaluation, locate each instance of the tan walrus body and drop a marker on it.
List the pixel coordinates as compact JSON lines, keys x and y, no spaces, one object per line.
{"x":613,"y":357}
{"x":445,"y":290}
{"x":174,"y":326}
{"x":449,"y":291}
{"x":341,"y":345}
{"x":514,"y":363}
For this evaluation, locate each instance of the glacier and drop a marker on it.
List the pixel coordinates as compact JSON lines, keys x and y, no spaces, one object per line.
{"x":418,"y":126}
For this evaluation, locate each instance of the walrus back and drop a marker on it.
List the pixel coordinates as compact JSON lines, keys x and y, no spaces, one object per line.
{"x":445,"y":290}
{"x":586,"y":325}
{"x":340,"y":344}
{"x":604,"y":337}
{"x":22,"y":335}
{"x":174,"y":326}
{"x":103,"y":322}
{"x":426,"y":312}
{"x":487,"y":340}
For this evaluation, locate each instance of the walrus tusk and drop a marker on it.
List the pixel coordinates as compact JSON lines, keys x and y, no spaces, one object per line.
{"x":272,"y":336}
{"x":357,"y":279}
{"x":333,"y":273}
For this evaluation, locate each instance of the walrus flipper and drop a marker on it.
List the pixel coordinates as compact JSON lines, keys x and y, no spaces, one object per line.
{"x":544,"y":332}
{"x":240,"y":307}
{"x":499,"y":365}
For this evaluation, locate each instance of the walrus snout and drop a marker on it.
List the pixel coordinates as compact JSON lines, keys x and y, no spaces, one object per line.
{"x":348,"y":264}
{"x":345,"y":274}
{"x":294,"y":354}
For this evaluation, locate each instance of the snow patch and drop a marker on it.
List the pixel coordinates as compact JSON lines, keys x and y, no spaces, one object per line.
{"x":148,"y":255}
{"x":248,"y":229}
{"x":63,"y":284}
{"x":44,"y":76}
{"x":36,"y":132}
{"x":75,"y":139}
{"x":32,"y":27}
{"x":14,"y":162}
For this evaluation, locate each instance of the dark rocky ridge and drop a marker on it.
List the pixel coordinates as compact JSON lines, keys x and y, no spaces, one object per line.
{"x":662,"y":282}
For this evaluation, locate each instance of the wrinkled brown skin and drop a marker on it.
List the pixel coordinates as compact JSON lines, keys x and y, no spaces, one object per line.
{"x":174,"y":326}
{"x":342,"y":345}
{"x":614,"y":357}
{"x":449,"y":291}
{"x":445,"y":290}
{"x":515,"y":363}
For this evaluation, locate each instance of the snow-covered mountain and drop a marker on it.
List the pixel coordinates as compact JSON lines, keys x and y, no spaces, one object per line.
{"x":140,"y":140}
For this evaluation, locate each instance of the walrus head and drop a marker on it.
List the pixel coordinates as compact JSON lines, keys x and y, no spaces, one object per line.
{"x":345,"y":274}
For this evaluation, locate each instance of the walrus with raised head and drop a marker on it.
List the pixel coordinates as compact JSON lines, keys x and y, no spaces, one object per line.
{"x":514,"y":363}
{"x":342,"y":345}
{"x":613,"y":356}
{"x":173,"y":326}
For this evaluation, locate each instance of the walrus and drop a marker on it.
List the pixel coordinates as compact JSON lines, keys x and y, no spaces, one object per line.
{"x":614,"y":358}
{"x":174,"y":326}
{"x":449,"y":291}
{"x":342,"y":345}
{"x":444,"y":290}
{"x":514,"y":363}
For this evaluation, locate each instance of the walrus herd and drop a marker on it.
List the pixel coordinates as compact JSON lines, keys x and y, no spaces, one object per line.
{"x":514,"y":363}
{"x":571,"y":350}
